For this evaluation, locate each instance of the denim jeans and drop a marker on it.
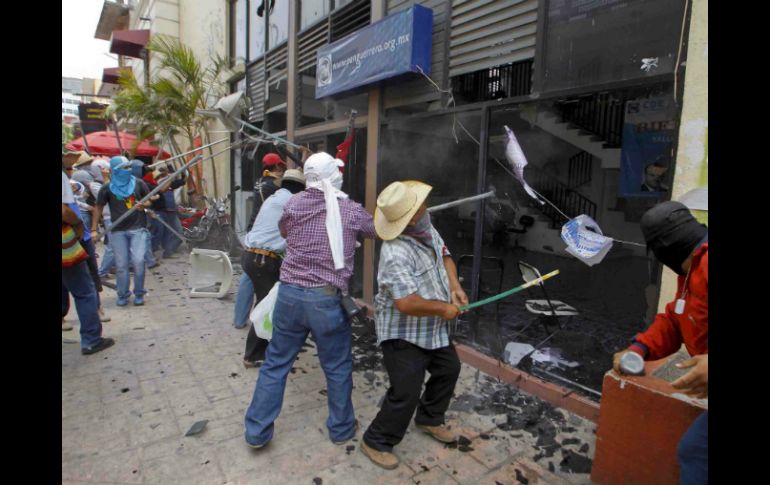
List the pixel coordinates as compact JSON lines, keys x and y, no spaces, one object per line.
{"x":108,"y":258}
{"x":149,"y":258}
{"x":156,"y":231}
{"x":297,"y":312}
{"x":693,"y":453}
{"x":128,"y":246}
{"x":77,"y":281}
{"x":170,"y":241}
{"x":244,"y":301}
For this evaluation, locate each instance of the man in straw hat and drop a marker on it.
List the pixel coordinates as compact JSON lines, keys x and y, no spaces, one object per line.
{"x":320,"y":226}
{"x":418,"y":293}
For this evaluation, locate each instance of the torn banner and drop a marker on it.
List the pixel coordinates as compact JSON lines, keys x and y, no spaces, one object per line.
{"x":585,"y":240}
{"x":518,"y":161}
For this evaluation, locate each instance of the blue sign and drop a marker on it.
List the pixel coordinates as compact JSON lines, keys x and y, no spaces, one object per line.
{"x":395,"y":45}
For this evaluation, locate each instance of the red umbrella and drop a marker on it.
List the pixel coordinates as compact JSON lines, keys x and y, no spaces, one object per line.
{"x":105,"y":143}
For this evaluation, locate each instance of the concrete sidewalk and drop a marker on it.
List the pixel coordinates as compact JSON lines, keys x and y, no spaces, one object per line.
{"x":179,"y":360}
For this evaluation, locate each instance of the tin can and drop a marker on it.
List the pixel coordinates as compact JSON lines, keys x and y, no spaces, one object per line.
{"x":632,"y":364}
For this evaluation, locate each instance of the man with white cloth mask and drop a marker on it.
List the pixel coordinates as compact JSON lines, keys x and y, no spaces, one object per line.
{"x":320,"y":226}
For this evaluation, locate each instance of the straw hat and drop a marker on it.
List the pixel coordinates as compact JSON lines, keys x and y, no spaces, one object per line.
{"x":292,"y":174}
{"x":83,"y":159}
{"x":396,"y":205}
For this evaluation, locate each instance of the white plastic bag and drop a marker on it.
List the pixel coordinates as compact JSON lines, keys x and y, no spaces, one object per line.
{"x":262,"y":314}
{"x":585,"y":240}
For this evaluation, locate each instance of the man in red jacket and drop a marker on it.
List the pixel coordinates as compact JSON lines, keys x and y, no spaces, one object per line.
{"x":681,"y":243}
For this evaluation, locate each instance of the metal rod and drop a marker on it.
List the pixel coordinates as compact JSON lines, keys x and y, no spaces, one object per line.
{"x":117,"y":135}
{"x":509,"y":292}
{"x":285,"y":142}
{"x":568,"y":381}
{"x":473,"y":198}
{"x":155,"y":216}
{"x":478,"y":230}
{"x":187,"y":153}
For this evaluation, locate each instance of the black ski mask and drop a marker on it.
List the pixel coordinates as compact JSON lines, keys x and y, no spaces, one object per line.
{"x":672,"y":233}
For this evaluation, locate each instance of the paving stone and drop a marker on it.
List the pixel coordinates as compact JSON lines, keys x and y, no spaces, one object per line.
{"x":434,"y":476}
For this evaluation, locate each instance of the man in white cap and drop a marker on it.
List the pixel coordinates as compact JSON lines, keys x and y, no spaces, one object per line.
{"x":320,"y":226}
{"x":419,"y":292}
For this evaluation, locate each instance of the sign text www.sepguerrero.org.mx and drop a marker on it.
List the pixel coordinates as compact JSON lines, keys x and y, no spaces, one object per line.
{"x":387,"y":46}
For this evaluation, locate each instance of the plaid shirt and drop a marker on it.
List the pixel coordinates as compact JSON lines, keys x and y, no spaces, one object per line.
{"x":308,"y":261}
{"x":406,"y":267}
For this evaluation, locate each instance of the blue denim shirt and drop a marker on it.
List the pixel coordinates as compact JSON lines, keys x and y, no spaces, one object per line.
{"x":264,"y":233}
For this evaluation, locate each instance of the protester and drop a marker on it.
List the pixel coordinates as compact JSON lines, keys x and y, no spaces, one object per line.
{"x":169,"y":212}
{"x":244,"y":301}
{"x":76,"y":279}
{"x":128,"y":239}
{"x":138,"y":171}
{"x":264,"y":248}
{"x":681,"y":243}
{"x":418,"y":292}
{"x":320,"y":226}
{"x":274,"y":167}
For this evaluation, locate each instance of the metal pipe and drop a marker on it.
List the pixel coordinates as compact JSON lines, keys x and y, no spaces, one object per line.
{"x":481,"y":183}
{"x":457,"y":202}
{"x":162,"y":162}
{"x":155,"y":216}
{"x":249,"y":125}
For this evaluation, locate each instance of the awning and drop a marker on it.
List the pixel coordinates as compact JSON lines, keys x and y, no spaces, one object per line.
{"x":129,"y":43}
{"x":110,"y":75}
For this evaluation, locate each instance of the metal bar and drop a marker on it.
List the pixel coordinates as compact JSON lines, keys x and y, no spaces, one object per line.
{"x":480,"y":185}
{"x":455,"y":203}
{"x":152,"y":214}
{"x":568,"y":381}
{"x":162,"y":162}
{"x":270,"y":135}
{"x":506,"y":293}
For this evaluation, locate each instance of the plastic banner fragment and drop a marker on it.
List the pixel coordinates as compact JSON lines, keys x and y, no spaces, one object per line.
{"x":518,"y":161}
{"x":585,"y":240}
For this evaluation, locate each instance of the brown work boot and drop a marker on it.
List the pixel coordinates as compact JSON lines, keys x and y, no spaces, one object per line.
{"x":440,"y":433}
{"x":384,"y":459}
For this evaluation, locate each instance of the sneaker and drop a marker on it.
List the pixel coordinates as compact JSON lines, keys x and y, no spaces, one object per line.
{"x":385,"y":459}
{"x":104,"y":344}
{"x":342,"y":442}
{"x":256,"y":447}
{"x":249,"y":364}
{"x":138,"y":300}
{"x":65,"y":326}
{"x":153,"y":265}
{"x":440,"y":433}
{"x":122,"y":302}
{"x":103,"y":316}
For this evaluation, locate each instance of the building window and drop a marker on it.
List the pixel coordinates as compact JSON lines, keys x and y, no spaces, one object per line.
{"x":256,"y":29}
{"x":238,"y":26}
{"x":311,"y":11}
{"x":279,"y":24}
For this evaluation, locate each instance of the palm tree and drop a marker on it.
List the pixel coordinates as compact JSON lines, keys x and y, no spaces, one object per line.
{"x":167,"y":106}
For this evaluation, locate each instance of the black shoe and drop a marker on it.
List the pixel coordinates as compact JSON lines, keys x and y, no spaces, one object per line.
{"x":342,"y":442}
{"x":104,"y":344}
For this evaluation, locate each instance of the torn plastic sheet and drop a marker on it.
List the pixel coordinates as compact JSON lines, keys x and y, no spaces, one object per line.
{"x":585,"y":240}
{"x":515,"y":351}
{"x":518,"y":161}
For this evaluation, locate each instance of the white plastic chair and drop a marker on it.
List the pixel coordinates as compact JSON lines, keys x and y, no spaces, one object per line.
{"x":209,"y":268}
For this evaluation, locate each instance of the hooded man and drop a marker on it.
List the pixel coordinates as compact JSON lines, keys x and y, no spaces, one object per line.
{"x":418,"y":293}
{"x":681,"y":243}
{"x":320,"y":226}
{"x":127,"y":238}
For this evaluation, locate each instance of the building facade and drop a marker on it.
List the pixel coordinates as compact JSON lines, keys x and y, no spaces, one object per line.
{"x":596,"y":93}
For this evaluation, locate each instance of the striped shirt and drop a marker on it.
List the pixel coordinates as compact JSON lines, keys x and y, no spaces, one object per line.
{"x":406,"y":267}
{"x":308,"y":261}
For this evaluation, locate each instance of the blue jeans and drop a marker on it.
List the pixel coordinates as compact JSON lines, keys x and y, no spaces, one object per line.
{"x":297,"y":312}
{"x":128,"y":246}
{"x":693,"y":453}
{"x":149,"y":258}
{"x":108,"y":258}
{"x":170,"y":241}
{"x":156,"y":231}
{"x":244,"y":300}
{"x":77,"y":281}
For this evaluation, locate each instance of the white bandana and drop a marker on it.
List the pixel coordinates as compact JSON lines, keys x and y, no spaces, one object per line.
{"x":322,"y":172}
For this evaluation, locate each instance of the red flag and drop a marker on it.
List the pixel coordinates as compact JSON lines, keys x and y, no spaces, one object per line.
{"x":343,"y":149}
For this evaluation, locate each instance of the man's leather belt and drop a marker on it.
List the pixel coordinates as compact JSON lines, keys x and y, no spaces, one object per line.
{"x":264,"y":252}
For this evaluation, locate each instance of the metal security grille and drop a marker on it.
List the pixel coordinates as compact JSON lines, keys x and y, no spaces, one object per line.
{"x":497,"y":82}
{"x":349,"y":18}
{"x":308,"y":44}
{"x":255,"y":89}
{"x":488,"y":33}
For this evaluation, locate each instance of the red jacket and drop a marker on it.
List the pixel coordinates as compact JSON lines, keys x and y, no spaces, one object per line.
{"x":669,"y":330}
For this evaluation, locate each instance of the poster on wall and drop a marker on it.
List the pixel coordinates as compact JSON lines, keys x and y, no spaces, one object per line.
{"x":646,"y":166}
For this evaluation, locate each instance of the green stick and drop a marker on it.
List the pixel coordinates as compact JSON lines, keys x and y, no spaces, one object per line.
{"x":509,"y":292}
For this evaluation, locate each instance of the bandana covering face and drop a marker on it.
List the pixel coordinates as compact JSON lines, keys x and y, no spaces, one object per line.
{"x":122,"y":181}
{"x":421,"y":230}
{"x":322,"y":173}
